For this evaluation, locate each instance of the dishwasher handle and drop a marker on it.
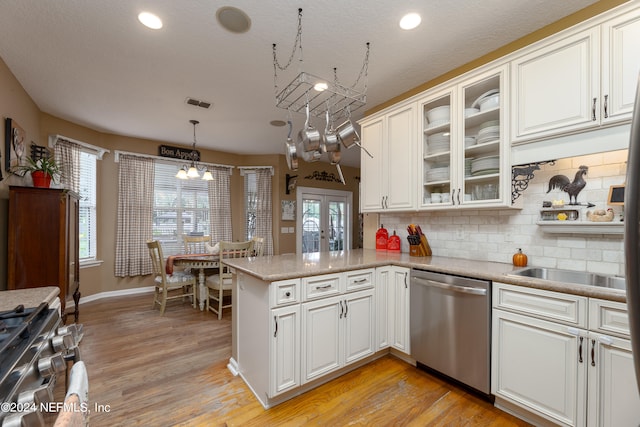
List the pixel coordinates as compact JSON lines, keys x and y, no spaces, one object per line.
{"x":447,"y":286}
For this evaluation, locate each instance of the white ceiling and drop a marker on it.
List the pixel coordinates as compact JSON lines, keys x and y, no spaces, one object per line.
{"x":91,"y":62}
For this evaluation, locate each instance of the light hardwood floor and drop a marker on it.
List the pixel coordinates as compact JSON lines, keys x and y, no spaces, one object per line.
{"x":147,"y":370}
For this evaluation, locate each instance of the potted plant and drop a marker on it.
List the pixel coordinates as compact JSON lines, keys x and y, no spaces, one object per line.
{"x":43,"y":171}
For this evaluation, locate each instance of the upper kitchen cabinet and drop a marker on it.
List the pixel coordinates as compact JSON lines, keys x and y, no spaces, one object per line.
{"x":580,"y":82}
{"x":388,"y":178}
{"x":464,"y":147}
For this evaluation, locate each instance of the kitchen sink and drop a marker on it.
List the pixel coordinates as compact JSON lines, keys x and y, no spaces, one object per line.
{"x":568,"y":276}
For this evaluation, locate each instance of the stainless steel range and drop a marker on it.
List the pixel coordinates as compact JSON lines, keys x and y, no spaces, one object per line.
{"x":34,"y":350}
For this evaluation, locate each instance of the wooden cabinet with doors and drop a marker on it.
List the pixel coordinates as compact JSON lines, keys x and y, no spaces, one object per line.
{"x":43,"y":242}
{"x":388,"y":178}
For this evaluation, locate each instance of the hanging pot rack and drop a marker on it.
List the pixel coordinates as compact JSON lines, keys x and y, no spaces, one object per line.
{"x":337,"y":98}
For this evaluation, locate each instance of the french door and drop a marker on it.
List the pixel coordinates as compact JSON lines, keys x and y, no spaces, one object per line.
{"x":323,"y":220}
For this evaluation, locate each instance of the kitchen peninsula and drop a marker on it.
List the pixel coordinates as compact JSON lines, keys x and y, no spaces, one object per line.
{"x":302,"y":320}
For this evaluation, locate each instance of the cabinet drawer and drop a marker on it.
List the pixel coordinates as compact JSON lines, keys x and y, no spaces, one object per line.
{"x":549,"y":305}
{"x":359,"y":279}
{"x":608,"y":317}
{"x":325,"y":285}
{"x":285,"y":292}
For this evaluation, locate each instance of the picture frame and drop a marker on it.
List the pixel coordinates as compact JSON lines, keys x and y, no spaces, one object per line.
{"x":288,"y":210}
{"x":616,"y":195}
{"x":15,"y":147}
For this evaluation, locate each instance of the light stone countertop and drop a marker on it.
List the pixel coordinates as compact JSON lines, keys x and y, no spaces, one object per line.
{"x":31,"y":297}
{"x":290,"y":266}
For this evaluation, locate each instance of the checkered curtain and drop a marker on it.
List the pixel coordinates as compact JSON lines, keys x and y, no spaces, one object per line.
{"x":67,"y":155}
{"x":263,"y":208}
{"x":135,"y":215}
{"x":220,"y":205}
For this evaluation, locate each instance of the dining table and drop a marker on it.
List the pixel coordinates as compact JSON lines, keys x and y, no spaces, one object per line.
{"x":196,"y":261}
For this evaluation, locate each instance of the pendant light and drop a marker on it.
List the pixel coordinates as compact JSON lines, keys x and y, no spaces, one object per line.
{"x":192,"y":171}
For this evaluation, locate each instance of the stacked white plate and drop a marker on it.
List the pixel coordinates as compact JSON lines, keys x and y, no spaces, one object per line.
{"x":469,"y":141}
{"x":485,"y":165}
{"x":467,"y":166}
{"x":489,"y":131}
{"x":438,"y":142}
{"x":437,"y":173}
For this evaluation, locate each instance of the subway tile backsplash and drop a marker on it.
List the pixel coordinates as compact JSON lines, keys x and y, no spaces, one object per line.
{"x":495,"y":235}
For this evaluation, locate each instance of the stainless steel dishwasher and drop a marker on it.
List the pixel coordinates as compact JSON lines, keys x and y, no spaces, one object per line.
{"x":451,"y":327}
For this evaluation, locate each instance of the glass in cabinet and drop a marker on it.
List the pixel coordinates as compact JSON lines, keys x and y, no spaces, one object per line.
{"x":462,"y":146}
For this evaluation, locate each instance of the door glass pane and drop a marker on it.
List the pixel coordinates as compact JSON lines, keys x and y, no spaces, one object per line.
{"x":336,"y":226}
{"x":310,"y":225}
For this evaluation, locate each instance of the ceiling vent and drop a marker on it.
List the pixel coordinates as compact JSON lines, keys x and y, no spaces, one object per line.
{"x":198,"y":103}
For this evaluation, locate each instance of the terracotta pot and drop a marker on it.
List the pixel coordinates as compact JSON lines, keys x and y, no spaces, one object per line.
{"x":41,"y":179}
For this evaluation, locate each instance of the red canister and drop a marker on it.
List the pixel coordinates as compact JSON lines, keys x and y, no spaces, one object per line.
{"x":382,"y":237}
{"x":393,"y":245}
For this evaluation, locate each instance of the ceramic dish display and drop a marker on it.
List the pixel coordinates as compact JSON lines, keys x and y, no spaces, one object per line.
{"x":469,"y":141}
{"x":490,"y":102}
{"x":437,"y":174}
{"x":438,"y":114}
{"x":471,"y":111}
{"x":437,"y":123}
{"x":488,"y":93}
{"x":484,"y":165}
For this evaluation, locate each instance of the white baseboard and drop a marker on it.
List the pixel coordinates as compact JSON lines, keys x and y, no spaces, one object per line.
{"x":111,"y":294}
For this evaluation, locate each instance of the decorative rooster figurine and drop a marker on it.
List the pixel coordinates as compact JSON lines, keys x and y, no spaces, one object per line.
{"x":571,"y":188}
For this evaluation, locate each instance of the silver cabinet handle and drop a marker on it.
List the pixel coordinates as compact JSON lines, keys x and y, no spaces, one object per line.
{"x":405,"y":280}
{"x":455,"y":288}
{"x":459,"y":190}
{"x":593,"y":110}
{"x":341,"y":310}
{"x":593,"y":352}
{"x":346,"y":309}
{"x":323,"y":287}
{"x":606,"y":102}
{"x":275,"y":320}
{"x":580,"y":350}
{"x":363,"y":280}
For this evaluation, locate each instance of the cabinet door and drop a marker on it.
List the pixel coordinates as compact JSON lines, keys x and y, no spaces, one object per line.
{"x":321,"y":344}
{"x":399,"y":309}
{"x":359,"y":327}
{"x":540,"y":366}
{"x":284,"y":350}
{"x":556,"y":88}
{"x":372,"y":184}
{"x":613,"y":393}
{"x":399,"y":165}
{"x":620,"y":66}
{"x":382,"y":289}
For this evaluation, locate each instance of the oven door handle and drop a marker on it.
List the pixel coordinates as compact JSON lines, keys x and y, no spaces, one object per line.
{"x":447,"y":286}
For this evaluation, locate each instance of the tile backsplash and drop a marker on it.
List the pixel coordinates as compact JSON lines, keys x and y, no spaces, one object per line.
{"x":495,"y":235}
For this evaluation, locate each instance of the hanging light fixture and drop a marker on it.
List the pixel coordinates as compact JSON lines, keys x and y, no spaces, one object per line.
{"x":192,"y":170}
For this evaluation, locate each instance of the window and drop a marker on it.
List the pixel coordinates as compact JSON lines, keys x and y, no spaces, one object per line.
{"x":180,"y":207}
{"x":87,"y":207}
{"x":250,"y":197}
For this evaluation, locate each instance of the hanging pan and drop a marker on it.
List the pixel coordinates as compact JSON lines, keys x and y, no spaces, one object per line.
{"x":349,"y":136}
{"x":309,"y":136}
{"x":290,"y":150}
{"x":331,"y":142}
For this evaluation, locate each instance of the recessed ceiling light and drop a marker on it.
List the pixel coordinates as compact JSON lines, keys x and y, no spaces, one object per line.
{"x":277,"y":123}
{"x":321,"y":86}
{"x":410,"y":21}
{"x":233,"y":19}
{"x":150,"y":20}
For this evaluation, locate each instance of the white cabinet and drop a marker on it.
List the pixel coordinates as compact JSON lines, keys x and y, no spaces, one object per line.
{"x":284,"y":352}
{"x":336,"y":331}
{"x":563,"y":357}
{"x":582,"y":81}
{"x":464,"y":156}
{"x":392,"y":308}
{"x":388,"y":179}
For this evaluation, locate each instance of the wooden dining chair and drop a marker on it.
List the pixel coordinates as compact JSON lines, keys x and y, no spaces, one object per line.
{"x":219,"y":285}
{"x":258,"y":246}
{"x":195,"y":244}
{"x":168,"y":285}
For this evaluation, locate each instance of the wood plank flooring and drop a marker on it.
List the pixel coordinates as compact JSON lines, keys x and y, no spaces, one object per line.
{"x":147,"y":370}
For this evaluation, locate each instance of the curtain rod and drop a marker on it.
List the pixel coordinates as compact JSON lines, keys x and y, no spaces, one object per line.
{"x":118,"y":153}
{"x":98,"y":151}
{"x":250,"y":168}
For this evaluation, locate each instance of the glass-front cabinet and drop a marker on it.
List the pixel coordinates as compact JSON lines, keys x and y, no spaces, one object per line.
{"x":464,"y":149}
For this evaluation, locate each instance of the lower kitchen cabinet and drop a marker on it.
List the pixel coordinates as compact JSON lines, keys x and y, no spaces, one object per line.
{"x":563,"y":362}
{"x":336,"y":331}
{"x":284,"y":351}
{"x":392,"y":308}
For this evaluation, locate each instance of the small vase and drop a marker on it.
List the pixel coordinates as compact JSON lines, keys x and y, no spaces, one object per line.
{"x":41,"y":179}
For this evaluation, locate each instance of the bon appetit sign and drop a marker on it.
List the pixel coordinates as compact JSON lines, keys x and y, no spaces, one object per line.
{"x":181,"y":153}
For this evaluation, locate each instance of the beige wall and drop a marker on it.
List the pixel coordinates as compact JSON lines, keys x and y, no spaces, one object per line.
{"x":17,"y":104}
